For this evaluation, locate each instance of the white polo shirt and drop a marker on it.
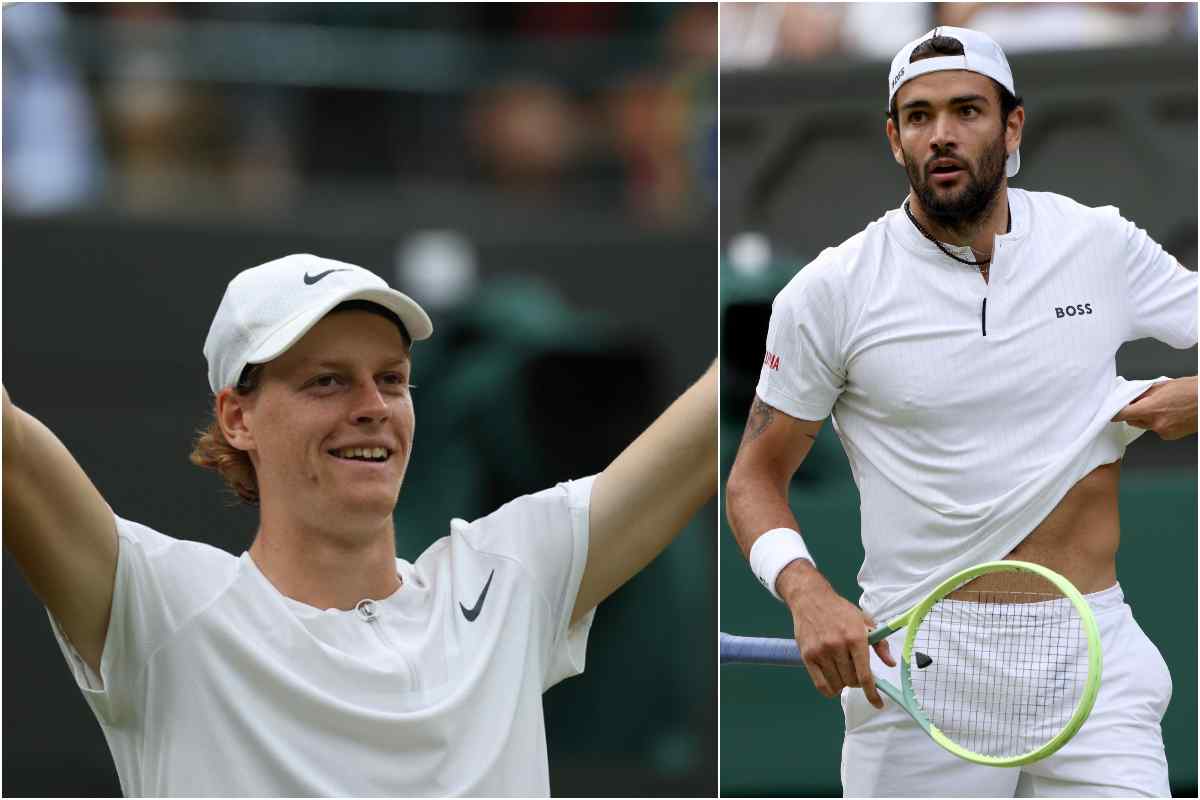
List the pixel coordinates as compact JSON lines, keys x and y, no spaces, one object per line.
{"x":968,"y":409}
{"x":212,"y":683}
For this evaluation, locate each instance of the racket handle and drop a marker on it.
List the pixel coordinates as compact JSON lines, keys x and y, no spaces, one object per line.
{"x":759,"y":650}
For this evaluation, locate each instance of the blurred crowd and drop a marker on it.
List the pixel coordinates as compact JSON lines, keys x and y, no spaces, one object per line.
{"x":756,"y":34}
{"x":144,"y":106}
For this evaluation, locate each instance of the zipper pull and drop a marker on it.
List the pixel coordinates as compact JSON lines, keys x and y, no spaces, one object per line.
{"x":366,"y":608}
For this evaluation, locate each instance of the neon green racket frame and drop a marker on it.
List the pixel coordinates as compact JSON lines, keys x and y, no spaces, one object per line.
{"x":906,"y":698}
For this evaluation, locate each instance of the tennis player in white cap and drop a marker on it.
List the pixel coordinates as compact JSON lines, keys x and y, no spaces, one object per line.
{"x":319,"y":663}
{"x":964,"y":346}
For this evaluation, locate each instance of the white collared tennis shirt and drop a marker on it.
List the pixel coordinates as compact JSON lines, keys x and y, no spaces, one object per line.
{"x":968,"y":409}
{"x":212,"y":683}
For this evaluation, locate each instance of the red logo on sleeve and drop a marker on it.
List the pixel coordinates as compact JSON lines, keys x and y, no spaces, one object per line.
{"x":771,"y":361}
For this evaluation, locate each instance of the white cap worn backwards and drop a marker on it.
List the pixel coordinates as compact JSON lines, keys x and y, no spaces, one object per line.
{"x":266,"y":309}
{"x":980,"y":54}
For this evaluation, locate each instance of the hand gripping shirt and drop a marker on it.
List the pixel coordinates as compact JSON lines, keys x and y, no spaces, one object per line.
{"x":967,"y":409}
{"x":212,"y":683}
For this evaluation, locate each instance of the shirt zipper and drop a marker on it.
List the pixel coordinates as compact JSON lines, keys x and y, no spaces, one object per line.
{"x":367,"y":610}
{"x":988,"y":287}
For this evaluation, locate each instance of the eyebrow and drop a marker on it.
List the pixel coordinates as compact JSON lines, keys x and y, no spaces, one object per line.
{"x":333,"y":363}
{"x":954,"y":101}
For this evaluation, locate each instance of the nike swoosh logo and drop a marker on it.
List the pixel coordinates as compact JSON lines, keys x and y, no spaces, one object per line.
{"x":472,"y":613}
{"x":311,"y":279}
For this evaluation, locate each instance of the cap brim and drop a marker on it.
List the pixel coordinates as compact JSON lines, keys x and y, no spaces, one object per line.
{"x":415,"y":320}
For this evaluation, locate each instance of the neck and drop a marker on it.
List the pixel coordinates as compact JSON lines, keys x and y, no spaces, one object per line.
{"x":324,"y":568}
{"x":977,"y":234}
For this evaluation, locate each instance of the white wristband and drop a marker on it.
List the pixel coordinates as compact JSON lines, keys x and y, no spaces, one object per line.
{"x":773,"y":551}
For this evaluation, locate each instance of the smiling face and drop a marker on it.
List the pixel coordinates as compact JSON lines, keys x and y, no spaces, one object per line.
{"x":330,"y":429}
{"x":953,"y":142}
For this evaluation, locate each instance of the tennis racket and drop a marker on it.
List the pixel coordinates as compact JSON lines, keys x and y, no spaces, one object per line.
{"x":1000,"y":666}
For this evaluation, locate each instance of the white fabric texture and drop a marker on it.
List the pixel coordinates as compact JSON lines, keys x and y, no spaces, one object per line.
{"x":1117,"y":753}
{"x":212,"y":683}
{"x":965,"y":425}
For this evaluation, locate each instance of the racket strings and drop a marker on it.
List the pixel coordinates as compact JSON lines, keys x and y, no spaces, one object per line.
{"x":1004,"y":669}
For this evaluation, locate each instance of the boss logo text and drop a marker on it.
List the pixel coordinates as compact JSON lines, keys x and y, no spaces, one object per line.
{"x":1077,"y":310}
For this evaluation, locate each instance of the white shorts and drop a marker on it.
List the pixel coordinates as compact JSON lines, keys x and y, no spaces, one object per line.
{"x":1117,"y":753}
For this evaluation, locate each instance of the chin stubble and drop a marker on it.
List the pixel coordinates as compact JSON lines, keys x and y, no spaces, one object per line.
{"x":961,"y":212}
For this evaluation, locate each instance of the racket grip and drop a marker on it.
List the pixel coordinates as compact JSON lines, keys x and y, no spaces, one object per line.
{"x":759,"y":650}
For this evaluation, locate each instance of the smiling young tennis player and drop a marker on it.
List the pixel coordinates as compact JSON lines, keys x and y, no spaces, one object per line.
{"x":319,"y":663}
{"x":964,"y":345}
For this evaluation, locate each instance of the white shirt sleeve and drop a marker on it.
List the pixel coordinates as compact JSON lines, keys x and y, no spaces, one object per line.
{"x":547,"y":534}
{"x":160,"y":583}
{"x":1162,"y":292}
{"x":803,"y":370}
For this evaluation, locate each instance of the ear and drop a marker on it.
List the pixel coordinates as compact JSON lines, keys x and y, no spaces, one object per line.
{"x":1013,"y":129}
{"x":893,"y":136}
{"x":231,"y":416}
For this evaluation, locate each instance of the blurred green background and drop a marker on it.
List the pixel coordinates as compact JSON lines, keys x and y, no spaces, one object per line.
{"x":804,"y":166}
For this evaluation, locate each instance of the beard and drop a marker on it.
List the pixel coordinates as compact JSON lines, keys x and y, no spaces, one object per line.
{"x":963,"y":209}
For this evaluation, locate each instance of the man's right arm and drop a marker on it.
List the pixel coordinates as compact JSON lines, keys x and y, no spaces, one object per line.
{"x":830,"y":630}
{"x":59,"y":530}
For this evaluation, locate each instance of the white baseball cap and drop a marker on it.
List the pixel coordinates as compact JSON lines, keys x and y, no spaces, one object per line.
{"x":266,"y":309}
{"x":980,"y":54}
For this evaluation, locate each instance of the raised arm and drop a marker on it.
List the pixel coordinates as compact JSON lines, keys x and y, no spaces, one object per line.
{"x":644,"y":498}
{"x":830,"y":631}
{"x":59,"y":530}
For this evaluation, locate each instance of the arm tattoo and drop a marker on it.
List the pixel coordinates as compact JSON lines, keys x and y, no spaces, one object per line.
{"x":761,"y":417}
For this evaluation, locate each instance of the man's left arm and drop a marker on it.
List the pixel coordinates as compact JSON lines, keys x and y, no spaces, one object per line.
{"x":1161,"y":304}
{"x":643,"y":499}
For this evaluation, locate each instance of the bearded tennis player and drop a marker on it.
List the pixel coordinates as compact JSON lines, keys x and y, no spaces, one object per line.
{"x":319,"y":663}
{"x":964,"y":345}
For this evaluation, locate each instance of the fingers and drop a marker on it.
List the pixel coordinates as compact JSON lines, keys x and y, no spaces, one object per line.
{"x":1132,"y":412}
{"x":1134,"y":416}
{"x":1167,"y":408}
{"x":864,"y":678}
{"x":884,"y":651}
{"x":838,"y":661}
{"x":821,"y":682}
{"x":824,"y":678}
{"x":847,"y":671}
{"x":831,"y":634}
{"x":846,"y":665}
{"x":821,"y":663}
{"x":1139,"y":412}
